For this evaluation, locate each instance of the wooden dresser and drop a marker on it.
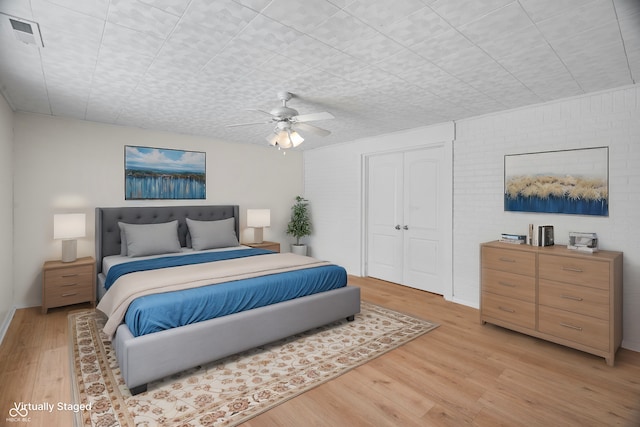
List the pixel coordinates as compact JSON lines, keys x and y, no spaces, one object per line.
{"x":66,"y":283}
{"x":568,"y":297}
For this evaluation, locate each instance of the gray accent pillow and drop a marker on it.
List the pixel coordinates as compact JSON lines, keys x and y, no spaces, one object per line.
{"x":212,"y":234}
{"x":151,"y":239}
{"x":123,"y":240}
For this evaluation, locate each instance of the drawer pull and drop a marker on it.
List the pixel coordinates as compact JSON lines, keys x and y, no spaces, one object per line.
{"x":69,"y":275}
{"x":510,"y":285}
{"x":508,"y":310}
{"x":507,"y":259}
{"x":574,"y":269}
{"x":70,"y":294}
{"x":570,"y":326}
{"x":571,"y":297}
{"x":71,"y":284}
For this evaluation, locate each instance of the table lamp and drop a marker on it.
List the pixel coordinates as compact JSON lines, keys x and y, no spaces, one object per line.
{"x":69,"y":227}
{"x":257,"y":219}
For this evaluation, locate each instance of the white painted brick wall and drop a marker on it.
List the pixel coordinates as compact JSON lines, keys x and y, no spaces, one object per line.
{"x":333,"y":185}
{"x":610,"y":118}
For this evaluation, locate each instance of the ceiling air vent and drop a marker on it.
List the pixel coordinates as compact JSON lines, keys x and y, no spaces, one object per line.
{"x":26,"y":31}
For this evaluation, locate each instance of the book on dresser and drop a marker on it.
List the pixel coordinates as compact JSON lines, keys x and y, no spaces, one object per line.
{"x":518,"y":239}
{"x":568,"y":297}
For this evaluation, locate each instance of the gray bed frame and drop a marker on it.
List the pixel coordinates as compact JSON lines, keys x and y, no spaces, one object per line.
{"x":154,"y":356}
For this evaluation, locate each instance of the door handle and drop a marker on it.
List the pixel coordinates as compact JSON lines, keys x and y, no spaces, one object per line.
{"x":398,"y":227}
{"x":406,"y":227}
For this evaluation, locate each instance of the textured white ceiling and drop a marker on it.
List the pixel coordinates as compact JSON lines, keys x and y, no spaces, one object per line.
{"x":194,"y":66}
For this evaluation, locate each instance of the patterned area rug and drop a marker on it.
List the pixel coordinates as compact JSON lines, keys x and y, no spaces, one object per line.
{"x":237,"y":388}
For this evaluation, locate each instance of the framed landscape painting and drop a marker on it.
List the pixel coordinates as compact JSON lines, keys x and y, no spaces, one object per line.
{"x":566,"y":182}
{"x":162,"y":173}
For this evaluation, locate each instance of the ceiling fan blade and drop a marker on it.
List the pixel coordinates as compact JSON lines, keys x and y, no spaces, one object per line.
{"x":304,"y":127}
{"x":248,"y":124}
{"x":313,"y":116}
{"x":259,"y":111}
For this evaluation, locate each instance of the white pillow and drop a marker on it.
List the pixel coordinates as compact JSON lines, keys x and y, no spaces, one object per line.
{"x":212,"y":234}
{"x":150,"y":239}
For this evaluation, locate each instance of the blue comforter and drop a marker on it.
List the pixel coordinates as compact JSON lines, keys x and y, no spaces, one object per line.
{"x":157,"y":312}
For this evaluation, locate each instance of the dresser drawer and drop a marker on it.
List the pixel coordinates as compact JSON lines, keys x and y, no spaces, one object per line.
{"x":587,"y":272}
{"x":574,"y":327}
{"x":510,"y":310}
{"x":509,"y":284}
{"x":577,"y":299}
{"x":512,"y":261}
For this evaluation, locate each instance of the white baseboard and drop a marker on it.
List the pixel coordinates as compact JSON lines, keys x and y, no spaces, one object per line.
{"x":4,"y":326}
{"x":465,"y":302}
{"x":630,"y":345}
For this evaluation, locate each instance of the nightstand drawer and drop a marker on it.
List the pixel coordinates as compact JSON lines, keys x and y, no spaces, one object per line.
{"x":575,"y":270}
{"x":519,"y":262}
{"x":577,"y":299}
{"x":271,"y":246}
{"x":63,"y":277}
{"x":68,"y":296}
{"x":510,"y":310}
{"x":509,"y":284}
{"x":585,"y":330}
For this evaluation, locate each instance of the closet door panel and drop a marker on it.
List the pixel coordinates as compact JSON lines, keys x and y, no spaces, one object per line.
{"x":384,"y":212}
{"x":423,"y":258}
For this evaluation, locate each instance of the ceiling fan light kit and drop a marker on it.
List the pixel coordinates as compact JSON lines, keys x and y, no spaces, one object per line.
{"x":288,"y":122}
{"x":285,"y":138}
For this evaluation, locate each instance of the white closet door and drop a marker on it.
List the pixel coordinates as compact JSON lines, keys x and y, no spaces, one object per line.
{"x":384,"y":239}
{"x":422,"y":211}
{"x":405,"y":218}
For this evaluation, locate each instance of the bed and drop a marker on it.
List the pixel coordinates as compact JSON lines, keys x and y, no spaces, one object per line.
{"x":159,"y":351}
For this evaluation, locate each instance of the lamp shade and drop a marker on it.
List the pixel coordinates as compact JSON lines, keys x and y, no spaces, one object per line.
{"x":295,"y":138}
{"x":69,"y":226}
{"x":285,"y":138}
{"x":258,"y":217}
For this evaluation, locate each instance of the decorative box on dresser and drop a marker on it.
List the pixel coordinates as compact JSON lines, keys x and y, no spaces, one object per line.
{"x":66,"y":283}
{"x":568,"y":297}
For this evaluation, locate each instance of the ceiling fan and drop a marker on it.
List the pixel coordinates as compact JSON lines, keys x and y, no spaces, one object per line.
{"x":288,"y":122}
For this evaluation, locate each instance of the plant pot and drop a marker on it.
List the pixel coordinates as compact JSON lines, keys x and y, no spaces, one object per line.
{"x":299,"y":249}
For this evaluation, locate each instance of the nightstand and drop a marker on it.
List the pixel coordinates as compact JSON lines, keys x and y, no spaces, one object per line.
{"x":66,"y":283}
{"x":272,"y":246}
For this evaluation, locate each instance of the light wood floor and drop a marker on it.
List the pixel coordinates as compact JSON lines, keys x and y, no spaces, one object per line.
{"x":460,"y":374}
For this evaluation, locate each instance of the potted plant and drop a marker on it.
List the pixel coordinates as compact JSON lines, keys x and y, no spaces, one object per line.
{"x":300,"y":225}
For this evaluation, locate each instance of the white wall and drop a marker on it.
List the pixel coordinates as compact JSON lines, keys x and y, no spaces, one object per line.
{"x":333,"y":184}
{"x":6,"y":215}
{"x":71,"y":165}
{"x":610,"y":118}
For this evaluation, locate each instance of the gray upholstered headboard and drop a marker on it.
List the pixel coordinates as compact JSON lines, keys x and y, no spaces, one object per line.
{"x":108,"y":233}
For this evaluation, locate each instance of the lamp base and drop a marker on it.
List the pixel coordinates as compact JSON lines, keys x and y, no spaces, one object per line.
{"x":69,"y":250}
{"x":257,"y":235}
